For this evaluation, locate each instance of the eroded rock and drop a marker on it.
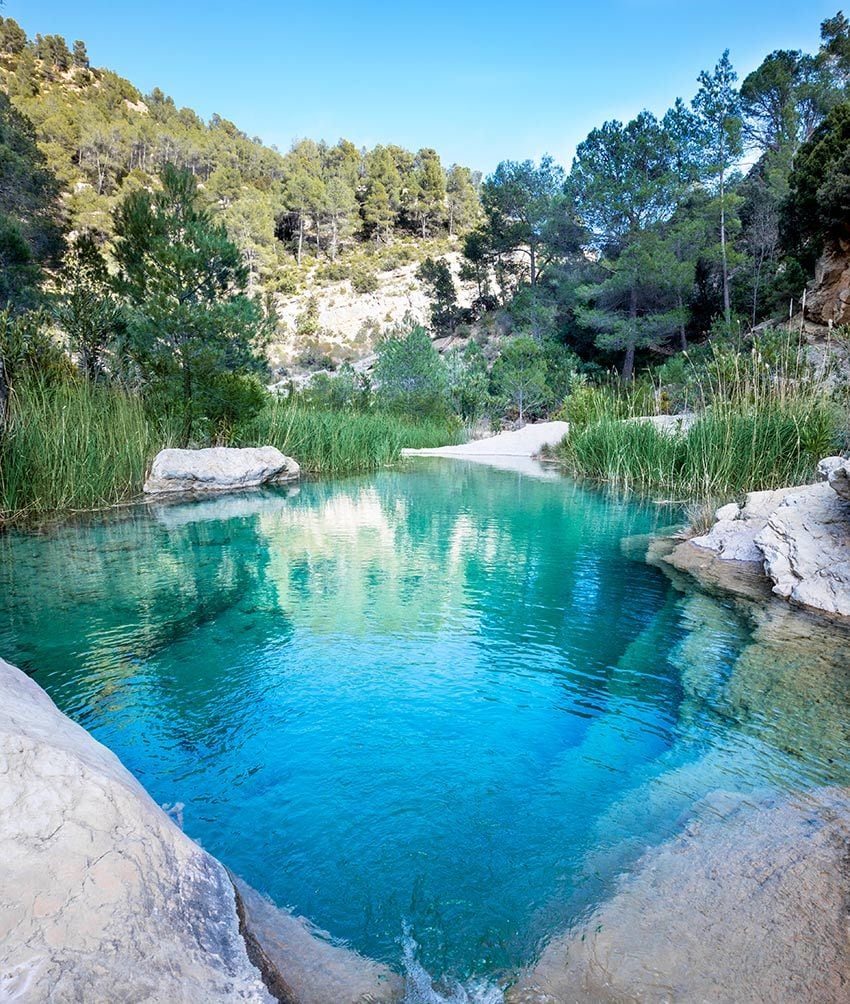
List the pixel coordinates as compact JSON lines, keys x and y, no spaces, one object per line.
{"x":217,"y":469}
{"x":828,"y":300}
{"x":806,"y":548}
{"x":732,"y":536}
{"x":839,"y":480}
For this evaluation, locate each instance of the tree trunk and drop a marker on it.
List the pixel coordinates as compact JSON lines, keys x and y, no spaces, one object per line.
{"x":756,"y":285}
{"x":334,"y":236}
{"x":681,"y":308}
{"x":629,"y":361}
{"x":532,"y":253}
{"x":727,"y":307}
{"x":186,"y":435}
{"x":300,"y":236}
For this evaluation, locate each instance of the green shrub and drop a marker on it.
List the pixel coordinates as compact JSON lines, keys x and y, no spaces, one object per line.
{"x":364,"y":280}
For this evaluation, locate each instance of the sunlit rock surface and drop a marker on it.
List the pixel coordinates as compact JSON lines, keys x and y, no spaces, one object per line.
{"x":748,"y":904}
{"x":800,"y":536}
{"x":218,"y":468}
{"x":806,"y":548}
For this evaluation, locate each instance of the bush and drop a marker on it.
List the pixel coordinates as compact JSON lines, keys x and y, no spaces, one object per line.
{"x":364,"y":280}
{"x":410,"y":376}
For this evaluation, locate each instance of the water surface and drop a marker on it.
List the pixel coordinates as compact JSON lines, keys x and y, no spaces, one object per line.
{"x":442,"y":697}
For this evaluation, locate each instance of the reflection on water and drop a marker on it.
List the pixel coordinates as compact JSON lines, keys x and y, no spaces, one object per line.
{"x":441,"y":695}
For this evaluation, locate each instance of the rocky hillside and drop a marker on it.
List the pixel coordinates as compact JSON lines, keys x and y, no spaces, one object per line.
{"x":333,"y":322}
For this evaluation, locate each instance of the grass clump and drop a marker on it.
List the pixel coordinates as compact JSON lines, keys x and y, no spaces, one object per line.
{"x":762,"y":420}
{"x":326,"y":441}
{"x":74,"y":446}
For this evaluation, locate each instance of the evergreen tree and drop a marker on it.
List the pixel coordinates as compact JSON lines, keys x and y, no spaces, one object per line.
{"x":718,"y":110}
{"x":87,"y":308}
{"x":190,"y":320}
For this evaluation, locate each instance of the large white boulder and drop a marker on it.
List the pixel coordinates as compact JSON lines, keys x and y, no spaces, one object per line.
{"x":219,"y":468}
{"x":806,"y":548}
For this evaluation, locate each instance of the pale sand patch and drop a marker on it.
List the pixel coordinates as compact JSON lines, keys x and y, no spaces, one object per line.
{"x":525,"y":442}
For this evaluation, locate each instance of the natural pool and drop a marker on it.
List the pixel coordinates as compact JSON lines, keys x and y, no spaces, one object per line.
{"x":443,"y":699}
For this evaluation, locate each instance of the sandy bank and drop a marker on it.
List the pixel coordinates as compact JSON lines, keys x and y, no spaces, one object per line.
{"x":525,"y":442}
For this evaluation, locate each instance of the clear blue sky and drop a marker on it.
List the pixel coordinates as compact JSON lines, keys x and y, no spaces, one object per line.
{"x":480,"y":82}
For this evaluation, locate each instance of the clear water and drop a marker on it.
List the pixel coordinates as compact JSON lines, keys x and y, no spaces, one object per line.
{"x":444,"y":699}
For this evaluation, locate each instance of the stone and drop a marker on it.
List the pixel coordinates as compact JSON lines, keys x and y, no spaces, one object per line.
{"x":218,"y":468}
{"x":748,"y":904}
{"x":839,"y":480}
{"x":668,"y":424}
{"x":827,"y":466}
{"x":806,"y":548}
{"x":828,"y":298}
{"x":736,"y":526}
{"x":103,"y":897}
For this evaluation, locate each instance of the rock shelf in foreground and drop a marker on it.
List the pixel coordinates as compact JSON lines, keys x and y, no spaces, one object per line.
{"x":219,"y":468}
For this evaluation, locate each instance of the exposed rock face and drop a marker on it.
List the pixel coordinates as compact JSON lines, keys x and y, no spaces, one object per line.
{"x":218,"y":469}
{"x":799,"y":536}
{"x":827,"y":466}
{"x":828,"y":300}
{"x":750,"y":904}
{"x":839,"y":479}
{"x":103,"y":897}
{"x":806,"y":548}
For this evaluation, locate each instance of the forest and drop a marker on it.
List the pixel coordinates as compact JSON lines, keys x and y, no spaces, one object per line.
{"x":144,"y":254}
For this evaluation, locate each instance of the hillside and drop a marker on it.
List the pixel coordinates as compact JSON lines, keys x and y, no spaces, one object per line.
{"x":308,"y":222}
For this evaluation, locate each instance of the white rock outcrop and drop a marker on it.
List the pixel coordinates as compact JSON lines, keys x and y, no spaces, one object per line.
{"x":800,"y":536}
{"x":839,"y":480}
{"x":806,"y":549}
{"x":735,"y":528}
{"x":103,"y":898}
{"x":218,"y":468}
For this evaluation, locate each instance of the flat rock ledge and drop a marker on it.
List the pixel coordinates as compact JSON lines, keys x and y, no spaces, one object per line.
{"x":749,"y":904}
{"x":799,"y":537}
{"x":104,"y":899}
{"x":218,"y":469}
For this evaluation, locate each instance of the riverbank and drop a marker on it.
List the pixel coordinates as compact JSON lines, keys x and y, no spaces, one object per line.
{"x":80,"y":447}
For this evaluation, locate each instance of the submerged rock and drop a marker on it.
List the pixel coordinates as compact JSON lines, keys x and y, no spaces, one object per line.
{"x":219,"y":468}
{"x":749,"y":904}
{"x":104,"y":898}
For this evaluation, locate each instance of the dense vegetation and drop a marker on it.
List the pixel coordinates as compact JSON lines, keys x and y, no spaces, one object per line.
{"x":143,"y":254}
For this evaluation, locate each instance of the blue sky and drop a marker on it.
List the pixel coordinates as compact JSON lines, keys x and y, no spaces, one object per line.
{"x":480,"y":82}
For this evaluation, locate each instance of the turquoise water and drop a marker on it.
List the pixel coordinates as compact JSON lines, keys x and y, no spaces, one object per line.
{"x":443,"y":697}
